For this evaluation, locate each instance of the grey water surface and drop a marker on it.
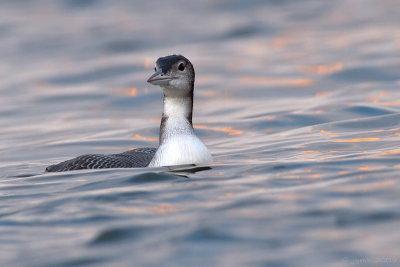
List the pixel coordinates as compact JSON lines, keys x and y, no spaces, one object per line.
{"x":298,"y":101}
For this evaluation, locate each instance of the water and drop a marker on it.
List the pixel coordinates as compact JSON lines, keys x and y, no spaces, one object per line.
{"x":298,"y":101}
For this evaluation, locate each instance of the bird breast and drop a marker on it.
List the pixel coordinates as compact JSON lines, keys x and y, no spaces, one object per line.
{"x":181,"y":150}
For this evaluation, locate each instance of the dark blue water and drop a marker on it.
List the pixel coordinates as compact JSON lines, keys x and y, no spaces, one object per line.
{"x":298,"y":101}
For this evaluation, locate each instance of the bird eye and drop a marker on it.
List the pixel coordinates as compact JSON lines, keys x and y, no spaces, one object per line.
{"x":155,"y":69}
{"x":181,"y":67}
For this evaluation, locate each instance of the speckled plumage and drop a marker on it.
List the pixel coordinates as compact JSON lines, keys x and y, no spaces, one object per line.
{"x":135,"y":158}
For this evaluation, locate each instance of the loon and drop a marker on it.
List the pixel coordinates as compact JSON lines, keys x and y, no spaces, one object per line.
{"x":178,"y":144}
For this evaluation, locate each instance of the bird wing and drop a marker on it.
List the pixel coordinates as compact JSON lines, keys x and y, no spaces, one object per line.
{"x":135,"y":158}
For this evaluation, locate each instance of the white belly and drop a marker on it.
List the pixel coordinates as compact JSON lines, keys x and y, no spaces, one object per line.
{"x":181,"y":150}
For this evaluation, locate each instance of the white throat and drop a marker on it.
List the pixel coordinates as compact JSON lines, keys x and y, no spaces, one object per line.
{"x":177,"y":107}
{"x":179,"y":145}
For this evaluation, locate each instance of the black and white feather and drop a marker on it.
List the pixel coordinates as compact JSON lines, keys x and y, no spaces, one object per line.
{"x":136,"y":158}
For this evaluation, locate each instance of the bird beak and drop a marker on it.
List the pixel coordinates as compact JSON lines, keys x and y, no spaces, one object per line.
{"x":159,"y":78}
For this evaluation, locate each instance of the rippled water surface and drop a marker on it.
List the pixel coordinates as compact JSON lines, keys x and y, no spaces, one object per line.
{"x":298,"y":101}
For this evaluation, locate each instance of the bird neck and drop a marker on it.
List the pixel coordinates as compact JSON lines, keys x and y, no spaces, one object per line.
{"x":179,"y":145}
{"x":176,"y":117}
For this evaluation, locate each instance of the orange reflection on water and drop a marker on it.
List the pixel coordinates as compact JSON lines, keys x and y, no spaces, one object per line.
{"x":340,"y":41}
{"x":228,"y":130}
{"x":357,"y":140}
{"x":256,"y":49}
{"x":289,"y":196}
{"x":209,"y":93}
{"x":390,"y":152}
{"x":132,"y":92}
{"x":317,"y":155}
{"x":201,"y":126}
{"x":325,"y":131}
{"x":385,"y":130}
{"x":226,"y":195}
{"x":322,"y":93}
{"x":310,"y":151}
{"x":314,"y":176}
{"x":378,"y":101}
{"x":270,"y":118}
{"x":384,"y":94}
{"x":322,"y":69}
{"x":143,"y":138}
{"x":328,"y":133}
{"x":164,"y":208}
{"x":148,"y":62}
{"x":265,"y":81}
{"x":281,"y":42}
{"x":126,"y":92}
{"x":366,"y":168}
{"x":155,"y":119}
